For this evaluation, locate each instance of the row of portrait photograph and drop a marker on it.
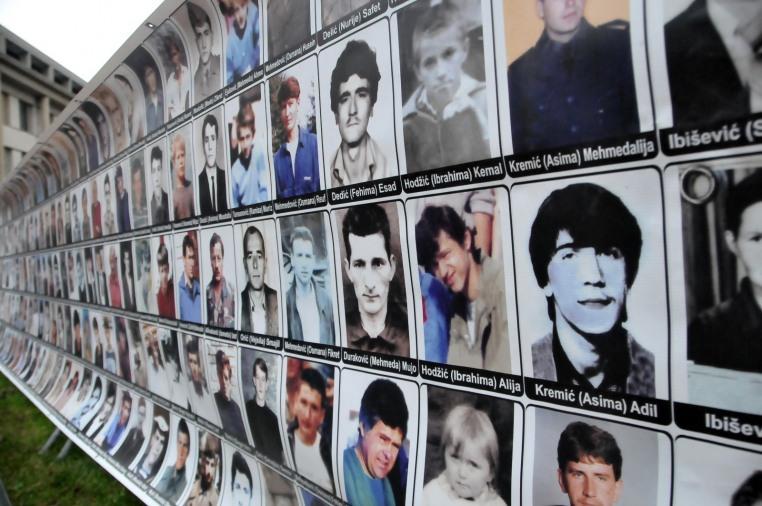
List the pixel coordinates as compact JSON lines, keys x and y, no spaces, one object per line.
{"x":369,"y":439}
{"x":434,"y":280}
{"x":406,"y":93}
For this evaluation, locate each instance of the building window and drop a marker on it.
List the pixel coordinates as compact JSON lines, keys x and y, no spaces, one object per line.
{"x":25,"y":116}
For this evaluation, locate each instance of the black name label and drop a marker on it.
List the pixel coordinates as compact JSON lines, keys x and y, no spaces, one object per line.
{"x":208,"y":102}
{"x":262,"y":209}
{"x":365,"y":191}
{"x":161,"y":229}
{"x":154,"y":135}
{"x":628,"y":406}
{"x":227,"y":334}
{"x":313,"y":350}
{"x":178,"y":120}
{"x":187,"y":223}
{"x":719,"y":422}
{"x":271,"y":343}
{"x":490,"y":381}
{"x":206,"y":424}
{"x":166,"y":322}
{"x":191,"y":327}
{"x":352,"y":21}
{"x":244,"y":81}
{"x":734,"y":133}
{"x":456,"y":175}
{"x":308,"y":201}
{"x":628,"y":149}
{"x":382,"y":362}
{"x":305,"y":47}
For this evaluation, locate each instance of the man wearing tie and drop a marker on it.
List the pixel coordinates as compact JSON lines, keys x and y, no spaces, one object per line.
{"x":211,"y":181}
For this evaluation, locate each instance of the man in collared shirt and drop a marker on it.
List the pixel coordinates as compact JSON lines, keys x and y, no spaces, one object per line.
{"x":354,"y":90}
{"x":575,"y":85}
{"x":230,"y":412}
{"x":251,"y":180}
{"x":444,"y":120}
{"x":160,"y":199}
{"x":128,"y":283}
{"x":206,"y":80}
{"x":189,"y":286}
{"x":122,"y":203}
{"x":154,"y":99}
{"x":212,"y":190}
{"x":376,"y":323}
{"x":297,"y":170}
{"x":259,"y":302}
{"x":243,"y":51}
{"x":306,"y":302}
{"x":165,"y":296}
{"x":263,"y":422}
{"x":220,"y":297}
{"x":173,"y":479}
{"x":585,"y":248}
{"x":115,"y":290}
{"x":715,"y":73}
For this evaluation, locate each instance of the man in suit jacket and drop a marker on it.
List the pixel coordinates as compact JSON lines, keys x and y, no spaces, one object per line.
{"x":211,"y":182}
{"x":705,"y":82}
{"x":259,"y":302}
{"x":160,"y":199}
{"x":122,"y":203}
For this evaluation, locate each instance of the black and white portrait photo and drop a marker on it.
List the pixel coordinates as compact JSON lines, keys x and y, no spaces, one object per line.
{"x":243,"y":482}
{"x":181,"y":165}
{"x":200,"y":395}
{"x":463,"y":280}
{"x":157,"y":161}
{"x":257,"y":268}
{"x":576,"y":460}
{"x":470,"y":450}
{"x":307,"y":278}
{"x":374,"y":273}
{"x":709,"y":473}
{"x":260,"y":385}
{"x":358,"y":108}
{"x":447,"y":114}
{"x":721,"y":210}
{"x":222,"y":360}
{"x":204,"y":33}
{"x":211,"y":168}
{"x":593,"y":309}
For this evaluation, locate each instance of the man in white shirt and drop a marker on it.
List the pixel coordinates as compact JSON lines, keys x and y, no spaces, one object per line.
{"x":310,"y":450}
{"x":212,"y":190}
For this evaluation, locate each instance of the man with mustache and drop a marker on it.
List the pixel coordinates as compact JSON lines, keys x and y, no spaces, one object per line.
{"x":220,"y":297}
{"x":585,"y":247}
{"x":354,"y":90}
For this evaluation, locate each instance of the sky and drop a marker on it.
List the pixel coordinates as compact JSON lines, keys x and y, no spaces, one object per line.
{"x":81,"y":35}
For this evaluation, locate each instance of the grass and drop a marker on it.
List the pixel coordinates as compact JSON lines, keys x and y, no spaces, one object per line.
{"x":30,"y":478}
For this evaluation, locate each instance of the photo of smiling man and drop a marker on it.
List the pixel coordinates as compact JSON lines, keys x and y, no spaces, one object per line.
{"x":599,"y":267}
{"x":377,"y":417}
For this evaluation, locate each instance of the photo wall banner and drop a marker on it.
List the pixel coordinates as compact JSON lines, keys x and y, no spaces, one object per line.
{"x":404,"y":252}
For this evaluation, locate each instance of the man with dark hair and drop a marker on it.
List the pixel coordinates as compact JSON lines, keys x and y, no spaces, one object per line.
{"x":250,"y":177}
{"x":212,"y":190}
{"x":189,"y":286}
{"x":128,"y":283}
{"x":750,"y":491}
{"x":585,"y":247}
{"x":157,"y":448}
{"x":445,"y":118}
{"x":198,"y":392}
{"x":230,"y":413}
{"x":135,"y":437}
{"x":165,"y":296}
{"x":77,"y":230}
{"x":243,"y":51}
{"x":206,"y":80}
{"x":259,"y":302}
{"x":122,"y":203}
{"x":109,"y":221}
{"x":205,"y":490}
{"x":479,"y":321}
{"x":241,"y":484}
{"x":118,"y":424}
{"x":160,"y":199}
{"x":262,"y":420}
{"x":575,"y":85}
{"x":311,"y":451}
{"x":173,"y":480}
{"x":354,"y":91}
{"x":297,"y":171}
{"x":308,"y":306}
{"x":154,"y":98}
{"x":382,"y":430}
{"x":220,"y":297}
{"x":728,"y":335}
{"x":376,"y":323}
{"x":139,"y":204}
{"x":85,"y":216}
{"x":68,"y":220}
{"x":589,"y":465}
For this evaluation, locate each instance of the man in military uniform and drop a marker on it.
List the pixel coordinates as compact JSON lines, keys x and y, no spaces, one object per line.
{"x":575,"y":85}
